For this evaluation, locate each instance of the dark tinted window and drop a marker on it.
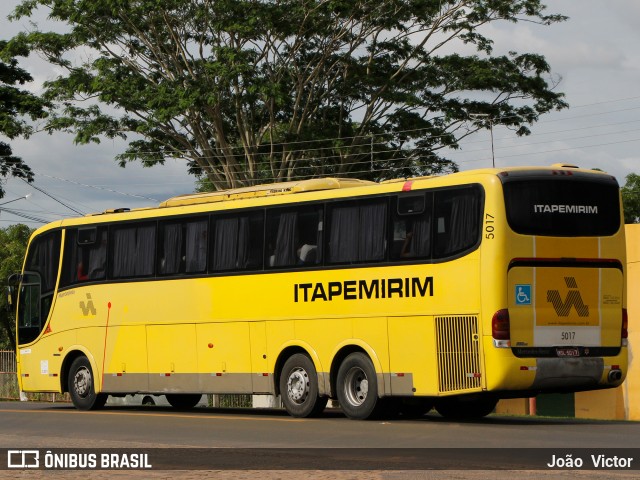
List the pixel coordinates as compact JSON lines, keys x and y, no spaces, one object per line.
{"x":457,"y":217}
{"x":36,"y":292}
{"x":294,"y":236}
{"x":85,"y":255}
{"x":43,"y":258}
{"x":132,"y":250}
{"x":236,"y":241}
{"x":411,"y":223}
{"x":562,"y":206}
{"x":182,"y":246}
{"x":357,"y":231}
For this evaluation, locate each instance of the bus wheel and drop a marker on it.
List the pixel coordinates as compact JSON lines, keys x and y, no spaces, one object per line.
{"x":81,"y":383}
{"x":183,"y":400}
{"x":463,"y":408}
{"x":357,"y":387}
{"x":299,"y":387}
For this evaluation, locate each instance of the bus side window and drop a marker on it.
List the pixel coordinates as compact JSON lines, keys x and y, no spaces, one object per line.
{"x":97,"y":255}
{"x":294,"y":236}
{"x":132,"y":250}
{"x":357,"y":231}
{"x":457,"y":214}
{"x":182,"y":246}
{"x":85,"y":255}
{"x":411,"y":227}
{"x":236,"y":241}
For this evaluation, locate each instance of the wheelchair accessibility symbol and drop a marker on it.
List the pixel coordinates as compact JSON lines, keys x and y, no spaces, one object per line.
{"x":523,"y":294}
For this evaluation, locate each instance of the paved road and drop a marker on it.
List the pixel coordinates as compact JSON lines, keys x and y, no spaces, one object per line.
{"x":56,"y":426}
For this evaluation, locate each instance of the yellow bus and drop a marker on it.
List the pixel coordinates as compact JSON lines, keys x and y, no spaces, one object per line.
{"x":451,"y":291}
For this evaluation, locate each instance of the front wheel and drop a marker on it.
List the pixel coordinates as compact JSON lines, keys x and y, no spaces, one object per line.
{"x":299,"y":387}
{"x":183,"y":400}
{"x":81,"y":384}
{"x":357,"y":387}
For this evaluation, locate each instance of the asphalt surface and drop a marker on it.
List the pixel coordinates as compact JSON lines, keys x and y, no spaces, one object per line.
{"x":362,"y":445}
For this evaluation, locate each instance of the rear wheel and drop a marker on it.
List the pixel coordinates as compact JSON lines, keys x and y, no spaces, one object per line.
{"x":466,"y":408}
{"x":299,"y":387}
{"x":357,"y":387}
{"x":183,"y":400}
{"x":81,"y":384}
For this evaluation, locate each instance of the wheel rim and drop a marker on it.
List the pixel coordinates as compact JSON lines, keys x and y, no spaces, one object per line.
{"x":82,"y":382}
{"x":298,"y":385}
{"x":356,"y":386}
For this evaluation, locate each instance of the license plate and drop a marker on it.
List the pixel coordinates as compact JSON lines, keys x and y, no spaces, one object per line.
{"x":567,"y":352}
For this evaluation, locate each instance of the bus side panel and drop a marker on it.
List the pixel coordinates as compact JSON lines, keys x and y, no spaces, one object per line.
{"x":413,"y":369}
{"x":39,"y":368}
{"x":172,"y":358}
{"x":224,"y":357}
{"x":260,"y":378}
{"x":126,"y":360}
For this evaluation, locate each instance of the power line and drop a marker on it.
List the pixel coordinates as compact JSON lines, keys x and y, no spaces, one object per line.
{"x":24,"y":215}
{"x":400,"y":132}
{"x":97,"y":187}
{"x":52,"y":197}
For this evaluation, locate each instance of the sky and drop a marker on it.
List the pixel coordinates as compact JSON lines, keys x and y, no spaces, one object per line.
{"x":595,"y":55}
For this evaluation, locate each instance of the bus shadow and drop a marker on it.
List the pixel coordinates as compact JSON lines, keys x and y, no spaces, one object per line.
{"x":336,"y":413}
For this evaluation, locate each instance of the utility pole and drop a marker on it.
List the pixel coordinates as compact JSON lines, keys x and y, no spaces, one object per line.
{"x":490,"y":119}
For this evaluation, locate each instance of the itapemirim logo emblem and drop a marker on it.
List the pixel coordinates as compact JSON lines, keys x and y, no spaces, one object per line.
{"x":88,"y":307}
{"x":573,"y":299}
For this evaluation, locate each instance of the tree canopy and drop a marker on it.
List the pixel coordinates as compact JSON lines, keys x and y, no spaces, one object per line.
{"x":631,"y":198}
{"x":15,"y":106}
{"x":250,"y":91}
{"x":14,"y":241}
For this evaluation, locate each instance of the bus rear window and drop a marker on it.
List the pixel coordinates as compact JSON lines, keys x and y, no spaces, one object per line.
{"x":563,"y":206}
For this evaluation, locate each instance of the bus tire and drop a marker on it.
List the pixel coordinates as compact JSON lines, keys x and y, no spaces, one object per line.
{"x":81,"y":384}
{"x":357,"y":388}
{"x":463,"y":408}
{"x":299,"y":387}
{"x":183,"y":400}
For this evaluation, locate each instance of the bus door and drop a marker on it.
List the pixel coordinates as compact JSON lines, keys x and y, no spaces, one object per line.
{"x":35,"y":299}
{"x":33,"y":308}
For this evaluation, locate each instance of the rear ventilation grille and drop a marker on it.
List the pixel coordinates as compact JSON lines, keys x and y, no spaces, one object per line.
{"x":457,"y":342}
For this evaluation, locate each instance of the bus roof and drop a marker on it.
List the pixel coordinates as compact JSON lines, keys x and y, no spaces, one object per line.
{"x":329,"y":183}
{"x":318,"y":185}
{"x":265,"y":190}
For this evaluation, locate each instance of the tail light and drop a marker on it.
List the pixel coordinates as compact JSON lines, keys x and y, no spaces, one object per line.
{"x":624,"y":334}
{"x":500,"y":328}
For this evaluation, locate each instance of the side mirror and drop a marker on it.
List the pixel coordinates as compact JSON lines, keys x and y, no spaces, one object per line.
{"x":13,"y":282}
{"x":10,"y":291}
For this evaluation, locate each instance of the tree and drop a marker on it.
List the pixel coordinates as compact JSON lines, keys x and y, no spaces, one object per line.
{"x":631,"y":198}
{"x":15,"y":105}
{"x":250,"y":91}
{"x":14,"y":241}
